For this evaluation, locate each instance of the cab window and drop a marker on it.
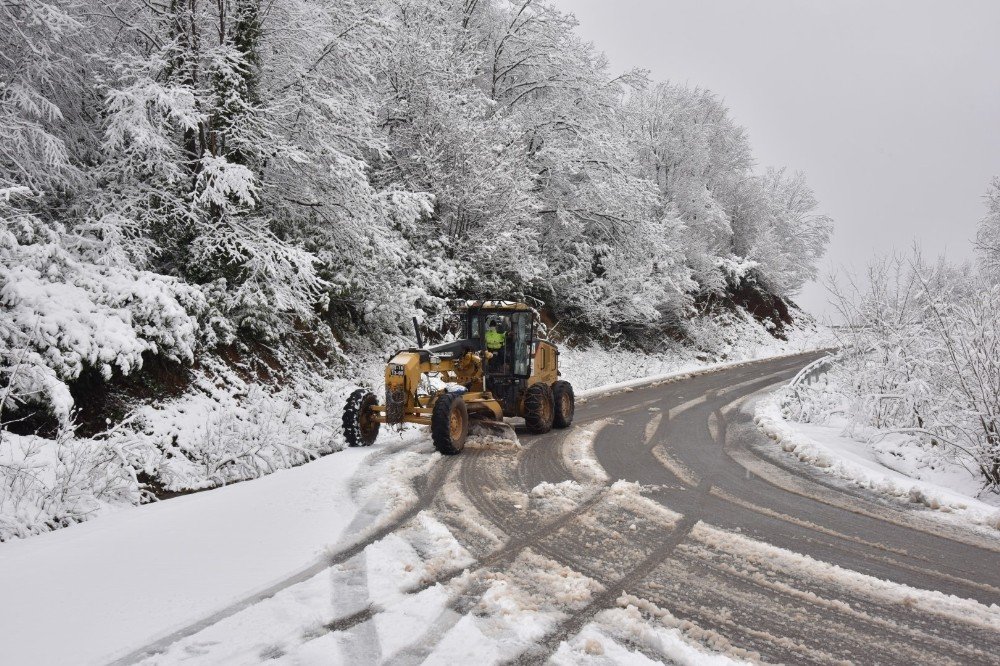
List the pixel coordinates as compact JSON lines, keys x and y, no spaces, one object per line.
{"x":522,"y":343}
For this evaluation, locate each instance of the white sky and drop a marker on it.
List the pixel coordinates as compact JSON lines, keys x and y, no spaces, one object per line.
{"x":890,"y":107}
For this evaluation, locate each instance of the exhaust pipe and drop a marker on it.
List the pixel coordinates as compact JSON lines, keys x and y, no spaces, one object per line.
{"x":416,"y":329}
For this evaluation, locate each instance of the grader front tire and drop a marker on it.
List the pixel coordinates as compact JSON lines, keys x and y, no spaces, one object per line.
{"x":539,"y":409}
{"x":360,"y":426}
{"x":449,"y":424}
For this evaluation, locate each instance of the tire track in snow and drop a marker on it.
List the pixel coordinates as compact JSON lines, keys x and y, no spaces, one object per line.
{"x":473,"y":479}
{"x":575,"y":622}
{"x":717,"y":426}
{"x":427,"y":489}
{"x":517,"y":542}
{"x":798,"y":613}
{"x":348,"y":621}
{"x":504,"y":555}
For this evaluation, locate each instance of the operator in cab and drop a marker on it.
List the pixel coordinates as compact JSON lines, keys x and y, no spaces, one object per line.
{"x":496,"y":340}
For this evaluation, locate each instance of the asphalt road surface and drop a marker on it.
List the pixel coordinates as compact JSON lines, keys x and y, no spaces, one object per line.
{"x":750,"y":552}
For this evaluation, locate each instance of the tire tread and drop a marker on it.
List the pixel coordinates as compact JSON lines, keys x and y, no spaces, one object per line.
{"x":441,"y":424}
{"x":534,"y":413}
{"x":560,"y":388}
{"x":351,"y":421}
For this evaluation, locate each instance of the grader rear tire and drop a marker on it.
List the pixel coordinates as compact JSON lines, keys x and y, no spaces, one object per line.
{"x":449,"y":424}
{"x":360,"y":426}
{"x":565,"y":404}
{"x":539,"y":409}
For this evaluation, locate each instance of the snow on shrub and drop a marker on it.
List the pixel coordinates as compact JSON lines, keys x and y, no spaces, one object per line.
{"x":228,"y":429}
{"x":66,"y":310}
{"x":63,"y":314}
{"x":919,"y":357}
{"x":224,"y":429}
{"x":46,"y":484}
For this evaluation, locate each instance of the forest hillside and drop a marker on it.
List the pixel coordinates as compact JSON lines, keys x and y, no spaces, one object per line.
{"x":238,"y":204}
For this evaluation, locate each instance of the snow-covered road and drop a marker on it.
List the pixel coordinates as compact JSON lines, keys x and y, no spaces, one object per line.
{"x":657,"y":529}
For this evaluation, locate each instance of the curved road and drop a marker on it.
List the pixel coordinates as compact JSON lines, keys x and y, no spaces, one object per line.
{"x":742,"y":549}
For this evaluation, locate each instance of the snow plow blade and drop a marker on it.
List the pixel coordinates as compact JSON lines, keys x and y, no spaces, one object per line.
{"x":491,"y":430}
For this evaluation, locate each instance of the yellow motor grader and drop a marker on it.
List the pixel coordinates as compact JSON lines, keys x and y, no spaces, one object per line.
{"x":497,"y":367}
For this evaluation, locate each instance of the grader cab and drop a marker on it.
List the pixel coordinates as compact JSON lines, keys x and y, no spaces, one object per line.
{"x":496,"y":368}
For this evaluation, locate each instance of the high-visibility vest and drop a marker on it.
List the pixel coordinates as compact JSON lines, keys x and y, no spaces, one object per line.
{"x":495,"y":340}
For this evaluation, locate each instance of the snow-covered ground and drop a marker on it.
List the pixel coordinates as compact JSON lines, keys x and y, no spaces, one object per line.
{"x":90,"y":592}
{"x":889,"y":463}
{"x":411,"y":622}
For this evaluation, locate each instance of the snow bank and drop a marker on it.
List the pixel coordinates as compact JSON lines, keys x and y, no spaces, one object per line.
{"x":226,"y":428}
{"x":765,"y":556}
{"x":638,"y":622}
{"x":90,"y":593}
{"x":892,"y":465}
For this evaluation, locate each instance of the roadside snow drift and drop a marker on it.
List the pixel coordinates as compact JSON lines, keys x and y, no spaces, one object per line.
{"x":884,"y":466}
{"x":89,"y":593}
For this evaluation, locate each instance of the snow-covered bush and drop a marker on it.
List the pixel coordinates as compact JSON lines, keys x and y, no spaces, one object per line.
{"x":814,"y":396}
{"x":921,"y":356}
{"x":46,"y":484}
{"x":988,"y":237}
{"x":63,"y":314}
{"x":228,"y":428}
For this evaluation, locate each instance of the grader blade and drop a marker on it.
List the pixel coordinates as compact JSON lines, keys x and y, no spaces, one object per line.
{"x":491,"y":430}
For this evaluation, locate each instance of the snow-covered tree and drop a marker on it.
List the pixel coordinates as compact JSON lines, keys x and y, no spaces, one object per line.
{"x":293,"y":157}
{"x":691,"y":149}
{"x":920,"y":356}
{"x":776,"y":225}
{"x":988,"y":237}
{"x":36,"y":77}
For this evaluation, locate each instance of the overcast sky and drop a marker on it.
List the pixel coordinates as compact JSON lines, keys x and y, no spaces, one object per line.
{"x":890,"y":107}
